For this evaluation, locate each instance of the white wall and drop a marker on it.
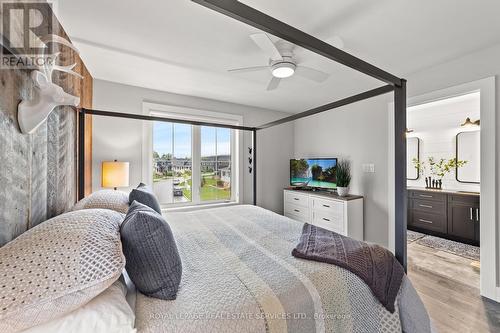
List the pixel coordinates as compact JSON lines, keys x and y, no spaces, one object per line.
{"x":436,"y":124}
{"x":354,"y":132}
{"x":321,"y":136}
{"x":121,"y":139}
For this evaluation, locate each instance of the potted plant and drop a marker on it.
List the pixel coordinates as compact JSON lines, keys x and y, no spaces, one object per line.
{"x":438,"y":169}
{"x":343,"y":177}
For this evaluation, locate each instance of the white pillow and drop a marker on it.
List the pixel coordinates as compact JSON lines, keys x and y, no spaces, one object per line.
{"x":58,"y":266}
{"x":107,"y":313}
{"x":105,"y":199}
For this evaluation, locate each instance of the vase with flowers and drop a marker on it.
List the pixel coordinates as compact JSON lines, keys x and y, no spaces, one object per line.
{"x":437,"y":168}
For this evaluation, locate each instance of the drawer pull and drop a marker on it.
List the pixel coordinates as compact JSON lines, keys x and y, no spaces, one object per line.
{"x":425,"y":221}
{"x":296,"y":199}
{"x":324,"y":218}
{"x":477,"y":214}
{"x":327,"y":206}
{"x":298,"y":211}
{"x":425,"y":206}
{"x":471,"y":213}
{"x":426,"y":196}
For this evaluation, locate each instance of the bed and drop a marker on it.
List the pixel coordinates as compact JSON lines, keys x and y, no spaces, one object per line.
{"x":239,"y":276}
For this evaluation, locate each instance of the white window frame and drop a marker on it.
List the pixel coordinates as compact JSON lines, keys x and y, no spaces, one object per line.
{"x":184,"y":113}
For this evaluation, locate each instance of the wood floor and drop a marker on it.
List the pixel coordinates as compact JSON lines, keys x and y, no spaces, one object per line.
{"x":449,"y":287}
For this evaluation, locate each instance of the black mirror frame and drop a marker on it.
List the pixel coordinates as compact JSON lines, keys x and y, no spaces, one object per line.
{"x":456,"y":158}
{"x":418,"y":158}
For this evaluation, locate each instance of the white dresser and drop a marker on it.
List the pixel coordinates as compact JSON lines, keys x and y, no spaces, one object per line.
{"x":343,"y":215}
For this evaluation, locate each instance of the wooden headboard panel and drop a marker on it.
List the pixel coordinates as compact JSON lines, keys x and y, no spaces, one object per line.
{"x":38,"y":171}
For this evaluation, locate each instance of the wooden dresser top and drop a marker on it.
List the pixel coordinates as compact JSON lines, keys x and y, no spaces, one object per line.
{"x":325,"y":194}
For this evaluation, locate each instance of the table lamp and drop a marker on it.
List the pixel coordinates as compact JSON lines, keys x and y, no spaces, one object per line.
{"x":115,"y":174}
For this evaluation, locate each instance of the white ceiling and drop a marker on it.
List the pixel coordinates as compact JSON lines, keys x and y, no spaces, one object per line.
{"x":443,"y":115}
{"x":182,"y":47}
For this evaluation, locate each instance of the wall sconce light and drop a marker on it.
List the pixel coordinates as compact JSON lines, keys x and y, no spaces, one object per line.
{"x":469,"y":123}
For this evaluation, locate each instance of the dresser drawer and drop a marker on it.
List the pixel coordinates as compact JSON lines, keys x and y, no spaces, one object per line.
{"x":428,"y":206}
{"x":297,"y":199}
{"x":297,"y":212}
{"x":329,"y":207}
{"x":427,"y":195}
{"x":429,"y":221}
{"x":328,"y":222}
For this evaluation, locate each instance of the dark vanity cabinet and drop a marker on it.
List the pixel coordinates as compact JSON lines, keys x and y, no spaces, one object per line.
{"x":453,"y":215}
{"x":464,"y":217}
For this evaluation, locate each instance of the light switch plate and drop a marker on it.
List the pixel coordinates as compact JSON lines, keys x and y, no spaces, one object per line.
{"x":369,"y":168}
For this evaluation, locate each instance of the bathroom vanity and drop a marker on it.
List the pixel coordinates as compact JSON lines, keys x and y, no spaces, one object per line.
{"x":449,"y":214}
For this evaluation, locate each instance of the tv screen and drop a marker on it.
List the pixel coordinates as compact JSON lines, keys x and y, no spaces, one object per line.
{"x":314,"y":172}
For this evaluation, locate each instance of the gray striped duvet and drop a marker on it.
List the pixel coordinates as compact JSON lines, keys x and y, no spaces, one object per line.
{"x":239,"y":276}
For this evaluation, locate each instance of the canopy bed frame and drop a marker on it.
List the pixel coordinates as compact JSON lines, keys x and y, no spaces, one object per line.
{"x":257,"y":19}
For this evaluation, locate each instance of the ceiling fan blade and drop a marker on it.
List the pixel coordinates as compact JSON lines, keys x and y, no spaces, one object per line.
{"x":273,"y":84}
{"x":248,"y":69}
{"x":312,"y":74}
{"x":266,"y":44}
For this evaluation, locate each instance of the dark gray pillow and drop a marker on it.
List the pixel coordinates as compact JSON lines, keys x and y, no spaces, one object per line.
{"x":152,"y":260}
{"x":144,"y":194}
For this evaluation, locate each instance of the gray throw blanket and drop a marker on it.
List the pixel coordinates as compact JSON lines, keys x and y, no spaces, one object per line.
{"x":373,"y":264}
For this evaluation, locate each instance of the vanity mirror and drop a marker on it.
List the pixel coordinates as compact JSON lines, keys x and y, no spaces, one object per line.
{"x":412,"y":153}
{"x":468,"y":149}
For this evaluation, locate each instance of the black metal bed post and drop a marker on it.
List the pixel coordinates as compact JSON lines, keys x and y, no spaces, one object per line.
{"x":400,"y":192}
{"x":254,"y":165}
{"x":81,"y":154}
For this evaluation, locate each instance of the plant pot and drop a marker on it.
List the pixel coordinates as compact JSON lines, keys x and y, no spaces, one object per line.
{"x":343,"y":191}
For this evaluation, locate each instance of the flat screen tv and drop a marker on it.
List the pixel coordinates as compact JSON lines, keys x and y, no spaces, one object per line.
{"x":314,"y":172}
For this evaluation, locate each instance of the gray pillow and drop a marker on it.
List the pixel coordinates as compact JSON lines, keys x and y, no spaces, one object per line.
{"x":152,"y":260}
{"x":145,"y":196}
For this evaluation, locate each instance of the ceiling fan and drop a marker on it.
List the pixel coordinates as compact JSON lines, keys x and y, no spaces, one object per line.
{"x":282,"y":63}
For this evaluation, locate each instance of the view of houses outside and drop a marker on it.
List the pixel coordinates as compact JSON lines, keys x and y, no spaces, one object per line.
{"x":215,"y":164}
{"x":172,"y":163}
{"x":172,"y":179}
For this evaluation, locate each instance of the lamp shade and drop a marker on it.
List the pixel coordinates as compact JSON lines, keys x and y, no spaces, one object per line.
{"x":115,"y":174}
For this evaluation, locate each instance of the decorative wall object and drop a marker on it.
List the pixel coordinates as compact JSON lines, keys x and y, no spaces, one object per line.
{"x":250,"y":160}
{"x":47,"y":95}
{"x":38,"y":170}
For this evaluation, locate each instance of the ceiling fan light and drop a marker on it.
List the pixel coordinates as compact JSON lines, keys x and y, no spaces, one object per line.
{"x":284,"y":70}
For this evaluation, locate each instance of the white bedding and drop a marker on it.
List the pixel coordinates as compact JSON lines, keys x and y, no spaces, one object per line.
{"x":239,"y":276}
{"x":109,"y":312}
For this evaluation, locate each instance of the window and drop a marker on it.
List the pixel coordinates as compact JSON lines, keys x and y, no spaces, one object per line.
{"x":215,"y":164}
{"x":172,"y":162}
{"x":189,"y":164}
